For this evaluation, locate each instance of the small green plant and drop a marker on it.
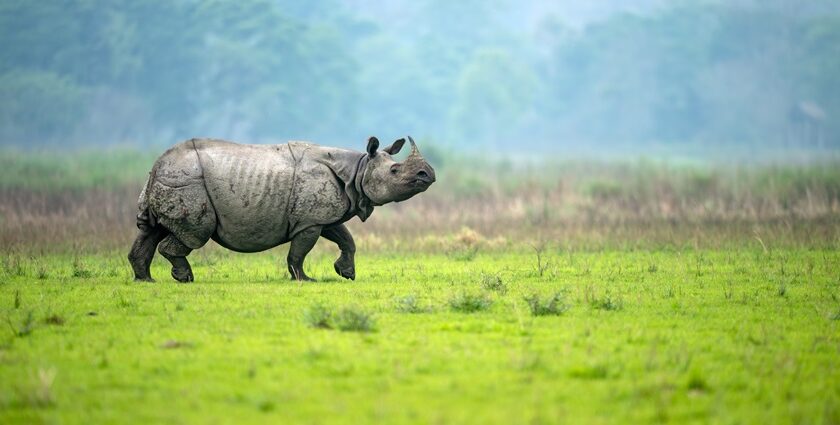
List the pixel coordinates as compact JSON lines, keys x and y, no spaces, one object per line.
{"x":697,"y":383}
{"x":25,"y":327}
{"x":14,"y":266}
{"x":493,"y":282}
{"x":352,"y":319}
{"x":80,"y":271}
{"x":122,"y":302}
{"x":17,"y":300}
{"x":609,"y":302}
{"x":728,"y":290}
{"x":554,"y":305}
{"x":318,"y":316}
{"x":469,"y":303}
{"x":782,"y":289}
{"x":539,"y":250}
{"x":410,"y":304}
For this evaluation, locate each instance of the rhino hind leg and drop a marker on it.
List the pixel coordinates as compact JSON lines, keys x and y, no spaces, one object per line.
{"x":345,"y":265}
{"x":176,"y":252}
{"x":143,"y":249}
{"x":302,"y":243}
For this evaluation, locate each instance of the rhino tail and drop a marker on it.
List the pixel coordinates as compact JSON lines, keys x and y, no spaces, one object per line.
{"x":146,"y":219}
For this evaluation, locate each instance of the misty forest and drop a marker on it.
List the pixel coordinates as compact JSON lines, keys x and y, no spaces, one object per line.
{"x":495,"y":74}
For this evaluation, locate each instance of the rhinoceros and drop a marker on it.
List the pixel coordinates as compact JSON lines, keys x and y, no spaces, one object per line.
{"x":250,"y":198}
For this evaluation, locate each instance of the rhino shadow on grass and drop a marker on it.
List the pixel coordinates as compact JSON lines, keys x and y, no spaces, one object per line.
{"x":250,"y":198}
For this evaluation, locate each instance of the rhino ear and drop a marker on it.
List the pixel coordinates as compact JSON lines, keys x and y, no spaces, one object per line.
{"x":395,"y":147}
{"x":373,"y":145}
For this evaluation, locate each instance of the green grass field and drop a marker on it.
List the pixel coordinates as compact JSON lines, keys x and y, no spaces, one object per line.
{"x":510,"y":292}
{"x":724,"y":336}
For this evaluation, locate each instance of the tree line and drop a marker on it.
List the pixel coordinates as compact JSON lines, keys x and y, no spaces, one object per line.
{"x":471,"y":74}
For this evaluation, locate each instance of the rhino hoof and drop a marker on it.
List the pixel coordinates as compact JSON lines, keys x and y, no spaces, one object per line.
{"x":304,"y":279}
{"x":144,"y":279}
{"x":347,"y":273}
{"x":182,"y":276}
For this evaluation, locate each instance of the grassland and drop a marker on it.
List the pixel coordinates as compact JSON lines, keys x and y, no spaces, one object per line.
{"x":638,"y":336}
{"x":581,"y":292}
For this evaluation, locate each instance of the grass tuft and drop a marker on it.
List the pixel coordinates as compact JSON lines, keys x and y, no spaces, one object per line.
{"x":353,"y":319}
{"x":410,"y":304}
{"x":318,"y":316}
{"x":782,"y":289}
{"x":25,"y":327}
{"x":554,"y":305}
{"x":80,"y":270}
{"x":609,"y":302}
{"x":466,"y":302}
{"x":697,"y":383}
{"x":493,"y":282}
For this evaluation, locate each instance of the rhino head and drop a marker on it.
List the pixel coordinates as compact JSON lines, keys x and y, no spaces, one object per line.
{"x":386,"y":180}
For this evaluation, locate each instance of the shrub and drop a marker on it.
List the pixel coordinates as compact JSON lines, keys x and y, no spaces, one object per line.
{"x":608,"y":302}
{"x":318,"y":316}
{"x":493,"y":282}
{"x":351,"y":319}
{"x":409,"y":304}
{"x":554,"y":305}
{"x":469,"y":303}
{"x":348,"y":319}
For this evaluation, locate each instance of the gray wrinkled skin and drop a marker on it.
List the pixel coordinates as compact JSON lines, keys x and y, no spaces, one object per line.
{"x":250,"y":198}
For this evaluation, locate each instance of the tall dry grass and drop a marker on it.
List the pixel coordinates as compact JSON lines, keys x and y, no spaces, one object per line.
{"x":86,"y":202}
{"x":595,"y":214}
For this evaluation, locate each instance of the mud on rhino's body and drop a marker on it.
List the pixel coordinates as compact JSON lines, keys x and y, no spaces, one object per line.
{"x":251,"y":198}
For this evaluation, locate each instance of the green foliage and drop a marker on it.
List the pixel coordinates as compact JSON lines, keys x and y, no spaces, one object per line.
{"x":38,"y":104}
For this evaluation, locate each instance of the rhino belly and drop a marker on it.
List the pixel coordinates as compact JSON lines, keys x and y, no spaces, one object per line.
{"x":249,"y":187}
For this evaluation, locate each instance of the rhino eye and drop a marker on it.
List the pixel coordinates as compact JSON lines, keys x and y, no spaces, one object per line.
{"x":395,"y":168}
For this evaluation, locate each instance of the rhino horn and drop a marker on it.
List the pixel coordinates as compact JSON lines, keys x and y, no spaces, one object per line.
{"x":414,"y":151}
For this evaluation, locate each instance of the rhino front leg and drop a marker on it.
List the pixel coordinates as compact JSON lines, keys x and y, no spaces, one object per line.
{"x":301,"y":245}
{"x":176,"y":252}
{"x":345,"y":265}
